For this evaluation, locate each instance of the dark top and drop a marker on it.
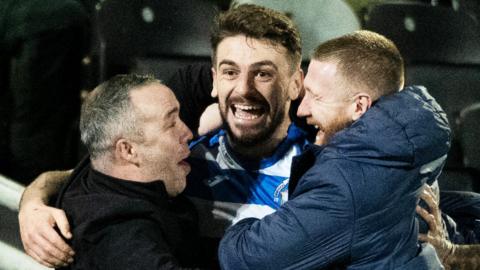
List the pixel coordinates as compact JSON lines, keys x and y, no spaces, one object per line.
{"x":192,"y":86}
{"x":352,"y":201}
{"x":120,"y":224}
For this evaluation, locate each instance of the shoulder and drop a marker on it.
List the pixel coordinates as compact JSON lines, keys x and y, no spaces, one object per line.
{"x":328,"y":177}
{"x":321,"y":164}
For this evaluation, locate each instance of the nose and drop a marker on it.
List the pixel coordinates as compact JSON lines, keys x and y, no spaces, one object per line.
{"x":186,"y":133}
{"x":304,"y":107}
{"x":245,"y":85}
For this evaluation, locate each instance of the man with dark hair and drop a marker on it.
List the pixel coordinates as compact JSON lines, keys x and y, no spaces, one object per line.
{"x":256,"y":74}
{"x":352,"y":194}
{"x":123,"y":203}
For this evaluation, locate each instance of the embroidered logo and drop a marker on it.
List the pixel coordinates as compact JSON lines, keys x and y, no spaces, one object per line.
{"x":280,"y":196}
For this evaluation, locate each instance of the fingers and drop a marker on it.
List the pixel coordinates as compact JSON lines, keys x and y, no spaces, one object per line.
{"x":429,"y":197}
{"x":37,"y":258}
{"x":423,"y":237}
{"x":62,"y":223}
{"x":40,"y":239}
{"x":47,"y":254}
{"x":429,"y":218}
{"x":430,"y":191}
{"x":47,"y":247}
{"x":55,"y":244}
{"x":210,"y":119}
{"x":320,"y":138}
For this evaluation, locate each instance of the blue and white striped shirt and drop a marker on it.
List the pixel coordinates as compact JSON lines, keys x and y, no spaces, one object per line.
{"x":226,"y":189}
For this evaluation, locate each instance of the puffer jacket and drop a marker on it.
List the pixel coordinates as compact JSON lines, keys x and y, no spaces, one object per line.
{"x":352,"y":201}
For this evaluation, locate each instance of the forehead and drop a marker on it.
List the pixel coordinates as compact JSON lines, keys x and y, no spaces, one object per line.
{"x":154,"y":100}
{"x":243,"y":50}
{"x":321,"y":76}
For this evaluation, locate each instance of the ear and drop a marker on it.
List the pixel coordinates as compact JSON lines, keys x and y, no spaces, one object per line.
{"x":214,"y":92}
{"x":126,"y":152}
{"x":362,"y":102}
{"x":296,"y":85}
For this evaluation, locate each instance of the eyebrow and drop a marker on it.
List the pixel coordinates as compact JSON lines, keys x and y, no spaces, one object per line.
{"x":171,"y":112}
{"x":227,"y":62}
{"x":265,"y":63}
{"x":254,"y":65}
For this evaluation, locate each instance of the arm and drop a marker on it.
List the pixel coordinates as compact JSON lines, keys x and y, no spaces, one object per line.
{"x":210,"y":120}
{"x":38,"y":221}
{"x":452,"y":256}
{"x":313,"y":230}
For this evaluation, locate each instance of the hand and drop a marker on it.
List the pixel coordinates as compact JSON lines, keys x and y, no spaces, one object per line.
{"x":39,"y":237}
{"x":320,"y":138}
{"x":210,"y":119}
{"x":436,"y":234}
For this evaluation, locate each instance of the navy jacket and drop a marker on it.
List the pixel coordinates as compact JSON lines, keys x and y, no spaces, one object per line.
{"x":352,"y":201}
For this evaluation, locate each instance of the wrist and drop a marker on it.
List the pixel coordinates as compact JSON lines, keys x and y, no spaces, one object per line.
{"x":449,"y":256}
{"x":31,"y":203}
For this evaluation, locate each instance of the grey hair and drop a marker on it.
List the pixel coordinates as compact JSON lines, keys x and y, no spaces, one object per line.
{"x":108,"y":113}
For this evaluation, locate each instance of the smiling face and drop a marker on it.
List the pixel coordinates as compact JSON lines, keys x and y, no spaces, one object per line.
{"x":255,"y":85}
{"x":326,"y":104}
{"x":163,"y":146}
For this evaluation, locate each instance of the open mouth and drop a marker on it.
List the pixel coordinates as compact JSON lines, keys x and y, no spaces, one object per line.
{"x":185,"y":166}
{"x":247,"y":112}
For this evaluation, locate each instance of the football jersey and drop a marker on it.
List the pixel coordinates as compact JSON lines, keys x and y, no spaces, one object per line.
{"x":226,"y":189}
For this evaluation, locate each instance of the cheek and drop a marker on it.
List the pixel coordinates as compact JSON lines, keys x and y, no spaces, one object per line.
{"x":273,"y":94}
{"x":318,"y":114}
{"x":323,"y":115}
{"x":222,"y":96}
{"x":224,"y":87}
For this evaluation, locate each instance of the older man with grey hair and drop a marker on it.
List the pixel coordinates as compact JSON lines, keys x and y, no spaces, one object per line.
{"x":126,"y":192}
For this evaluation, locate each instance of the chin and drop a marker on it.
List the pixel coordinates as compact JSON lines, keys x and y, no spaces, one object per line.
{"x":249,"y":136}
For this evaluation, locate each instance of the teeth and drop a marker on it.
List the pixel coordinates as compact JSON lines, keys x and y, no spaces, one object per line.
{"x":246,"y":117}
{"x":246,"y":107}
{"x":246,"y":112}
{"x":316,"y":126}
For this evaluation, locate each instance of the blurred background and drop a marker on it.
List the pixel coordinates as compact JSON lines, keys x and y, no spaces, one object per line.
{"x":53,"y":51}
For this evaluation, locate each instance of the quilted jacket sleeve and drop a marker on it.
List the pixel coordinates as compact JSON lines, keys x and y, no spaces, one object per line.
{"x":312,"y":230}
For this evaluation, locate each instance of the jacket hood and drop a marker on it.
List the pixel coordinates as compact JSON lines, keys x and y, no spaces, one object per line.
{"x":408,"y":128}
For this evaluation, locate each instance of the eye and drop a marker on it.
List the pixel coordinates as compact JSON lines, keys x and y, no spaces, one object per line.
{"x":310,"y":94}
{"x":263,"y":76}
{"x":230,"y":74}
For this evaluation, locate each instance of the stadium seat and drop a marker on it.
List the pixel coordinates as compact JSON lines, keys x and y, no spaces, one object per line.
{"x":154,"y":37}
{"x":469,"y":122}
{"x":441,"y":47}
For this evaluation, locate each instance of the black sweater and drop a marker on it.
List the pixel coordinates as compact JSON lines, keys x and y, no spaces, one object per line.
{"x":120,"y":224}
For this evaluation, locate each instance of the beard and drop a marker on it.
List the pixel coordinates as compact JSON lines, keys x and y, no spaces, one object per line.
{"x":256,"y":135}
{"x":260,"y":133}
{"x":326,"y":132}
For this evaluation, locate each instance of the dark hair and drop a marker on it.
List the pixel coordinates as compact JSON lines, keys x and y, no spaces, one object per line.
{"x":260,"y":23}
{"x":366,"y":59}
{"x":108,"y":113}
